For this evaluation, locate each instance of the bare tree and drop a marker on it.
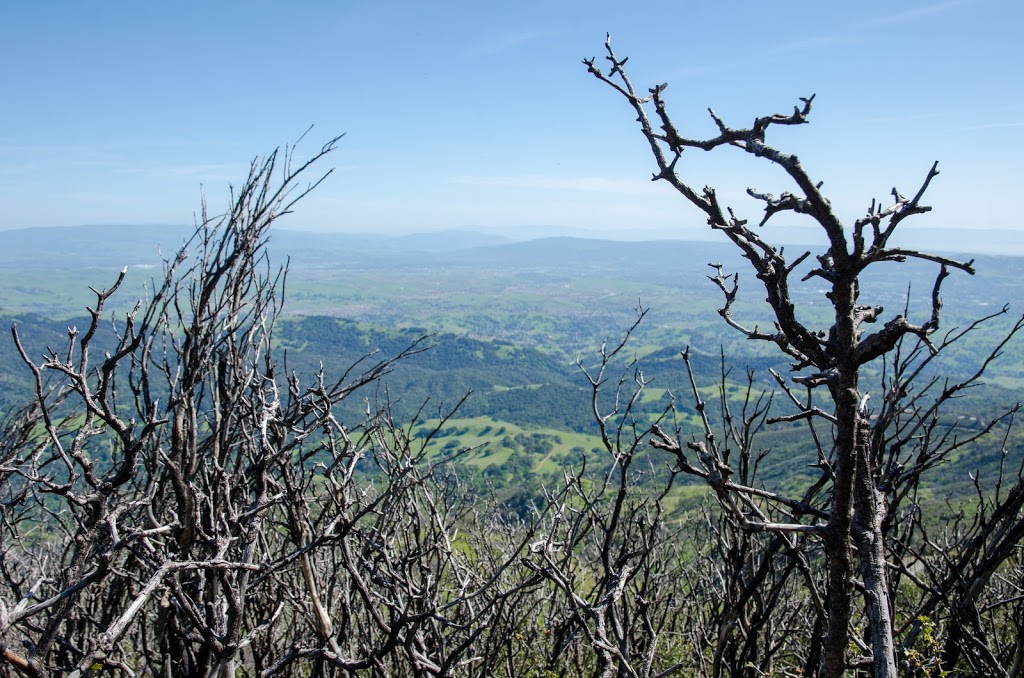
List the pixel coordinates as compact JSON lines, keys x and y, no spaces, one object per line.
{"x":608,"y":554}
{"x":175,"y":503}
{"x":758,"y":588}
{"x":862,"y":473}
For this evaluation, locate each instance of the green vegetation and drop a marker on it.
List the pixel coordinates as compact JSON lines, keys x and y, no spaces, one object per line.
{"x":506,"y":324}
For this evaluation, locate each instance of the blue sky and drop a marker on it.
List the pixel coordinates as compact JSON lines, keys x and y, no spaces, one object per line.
{"x":479,"y":114}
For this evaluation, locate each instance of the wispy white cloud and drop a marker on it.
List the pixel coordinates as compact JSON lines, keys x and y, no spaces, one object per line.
{"x":542,"y":182}
{"x":818,"y":42}
{"x":504,"y":41}
{"x":901,"y":119}
{"x":988,"y":125}
{"x":773,"y":54}
{"x":914,"y":13}
{"x":211,"y":171}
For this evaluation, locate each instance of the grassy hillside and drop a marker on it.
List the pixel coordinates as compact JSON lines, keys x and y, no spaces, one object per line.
{"x":506,"y":323}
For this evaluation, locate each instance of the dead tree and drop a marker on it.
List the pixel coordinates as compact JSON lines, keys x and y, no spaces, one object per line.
{"x":852,"y":523}
{"x":758,"y":596}
{"x":154,"y":474}
{"x":941,"y":572}
{"x":606,"y":549}
{"x":176,"y":503}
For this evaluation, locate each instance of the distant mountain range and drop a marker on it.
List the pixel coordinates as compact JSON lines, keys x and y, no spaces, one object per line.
{"x":104,"y":245}
{"x":49,"y":270}
{"x":92,"y":246}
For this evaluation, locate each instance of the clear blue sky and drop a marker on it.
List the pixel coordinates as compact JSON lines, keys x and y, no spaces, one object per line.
{"x":479,"y":114}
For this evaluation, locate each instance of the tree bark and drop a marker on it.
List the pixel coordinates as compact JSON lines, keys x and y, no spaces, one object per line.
{"x":870,"y":513}
{"x":837,"y":538}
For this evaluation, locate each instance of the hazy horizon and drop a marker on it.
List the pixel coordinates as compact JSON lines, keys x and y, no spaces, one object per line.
{"x":462,"y":114}
{"x":967,"y":241}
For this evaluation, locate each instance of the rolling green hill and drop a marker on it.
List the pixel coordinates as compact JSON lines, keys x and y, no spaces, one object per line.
{"x":506,"y":322}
